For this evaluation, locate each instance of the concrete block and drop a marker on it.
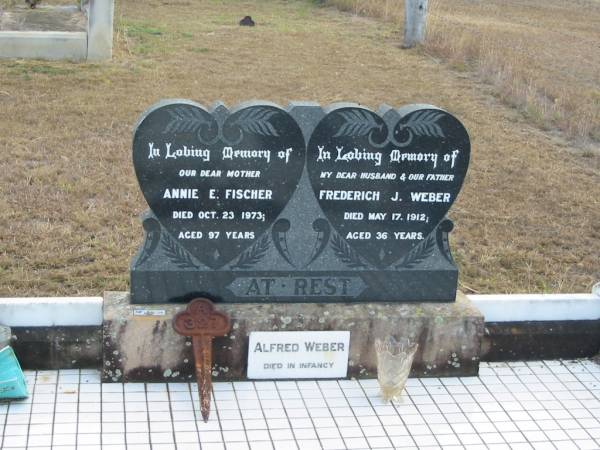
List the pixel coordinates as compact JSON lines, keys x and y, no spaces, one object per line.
{"x":52,"y":45}
{"x":144,"y":346}
{"x":100,"y":30}
{"x":535,"y":340}
{"x":57,"y":347}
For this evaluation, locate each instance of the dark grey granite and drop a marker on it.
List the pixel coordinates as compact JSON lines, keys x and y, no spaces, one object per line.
{"x":262,"y":204}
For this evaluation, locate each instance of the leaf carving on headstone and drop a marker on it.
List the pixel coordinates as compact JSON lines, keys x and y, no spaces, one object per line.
{"x":186,"y":120}
{"x":423,"y":123}
{"x":254,"y":254}
{"x":345,"y":253}
{"x":357,"y":123}
{"x":256,"y":121}
{"x":180,"y":257}
{"x":418,"y":254}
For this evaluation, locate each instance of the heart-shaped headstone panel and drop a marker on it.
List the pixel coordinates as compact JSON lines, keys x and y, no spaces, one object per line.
{"x":216,"y":181}
{"x":385,"y":183}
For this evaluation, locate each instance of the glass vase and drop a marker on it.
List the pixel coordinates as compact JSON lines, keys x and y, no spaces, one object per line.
{"x":394,"y":360}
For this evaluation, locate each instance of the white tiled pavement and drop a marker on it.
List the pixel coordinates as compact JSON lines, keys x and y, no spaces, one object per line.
{"x":541,"y":405}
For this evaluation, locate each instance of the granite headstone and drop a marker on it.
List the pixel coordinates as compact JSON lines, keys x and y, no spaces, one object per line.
{"x":304,"y":204}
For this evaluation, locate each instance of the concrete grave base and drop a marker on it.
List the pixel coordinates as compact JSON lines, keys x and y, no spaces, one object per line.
{"x":57,"y":32}
{"x":139,"y":343}
{"x":57,"y":347}
{"x":43,"y":45}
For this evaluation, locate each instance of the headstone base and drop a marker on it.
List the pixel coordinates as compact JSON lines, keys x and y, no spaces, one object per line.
{"x":140,"y":344}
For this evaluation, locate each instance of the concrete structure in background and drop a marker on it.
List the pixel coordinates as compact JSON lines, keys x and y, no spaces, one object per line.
{"x":94,"y":44}
{"x":100,"y":30}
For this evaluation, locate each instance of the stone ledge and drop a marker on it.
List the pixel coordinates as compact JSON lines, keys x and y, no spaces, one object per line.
{"x":58,"y":347}
{"x":537,"y":307}
{"x":32,"y":312}
{"x":52,"y":45}
{"x":529,"y":340}
{"x":146,"y":348}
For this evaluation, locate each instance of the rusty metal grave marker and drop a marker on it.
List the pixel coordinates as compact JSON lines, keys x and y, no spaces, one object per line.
{"x":202,"y":322}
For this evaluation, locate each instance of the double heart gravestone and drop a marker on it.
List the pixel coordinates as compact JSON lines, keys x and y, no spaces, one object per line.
{"x":260,"y":203}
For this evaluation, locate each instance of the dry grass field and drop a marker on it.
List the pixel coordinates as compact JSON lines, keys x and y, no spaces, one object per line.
{"x":527,"y":220}
{"x":541,"y":56}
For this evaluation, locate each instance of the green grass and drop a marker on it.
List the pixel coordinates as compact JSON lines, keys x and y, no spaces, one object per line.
{"x":27,"y":69}
{"x":141,"y":29}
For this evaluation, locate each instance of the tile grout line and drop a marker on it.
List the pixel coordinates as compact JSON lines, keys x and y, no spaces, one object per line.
{"x":583,"y":404}
{"x":410,"y":396}
{"x":550,"y":392}
{"x":216,"y":411}
{"x":101,"y":412}
{"x":147,"y":416}
{"x":190,"y":391}
{"x":171,"y":415}
{"x":511,"y":380}
{"x":214,"y":403}
{"x":480,"y":405}
{"x":241,"y":418}
{"x":561,"y":401}
{"x":500,"y":403}
{"x":375,"y":414}
{"x":517,"y":400}
{"x":124,"y":415}
{"x":5,"y":419}
{"x":53,"y":409}
{"x":78,"y":408}
{"x":263,"y":411}
{"x":31,"y":410}
{"x":354,"y":415}
{"x":330,"y":413}
{"x":308,"y":412}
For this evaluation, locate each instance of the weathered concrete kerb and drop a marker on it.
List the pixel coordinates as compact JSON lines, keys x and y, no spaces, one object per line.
{"x":139,"y":343}
{"x":56,"y":32}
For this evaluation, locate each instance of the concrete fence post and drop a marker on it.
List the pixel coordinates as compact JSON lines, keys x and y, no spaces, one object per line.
{"x":100,"y":30}
{"x":415,"y":20}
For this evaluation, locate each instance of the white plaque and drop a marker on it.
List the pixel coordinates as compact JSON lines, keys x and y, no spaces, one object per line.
{"x":298,"y":354}
{"x":148,"y":312}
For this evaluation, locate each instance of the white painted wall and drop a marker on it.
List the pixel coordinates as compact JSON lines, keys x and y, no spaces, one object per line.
{"x":537,"y":307}
{"x":81,"y":311}
{"x":51,"y":311}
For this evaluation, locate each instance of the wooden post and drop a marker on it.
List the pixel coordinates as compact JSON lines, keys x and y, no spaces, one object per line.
{"x":415,"y":20}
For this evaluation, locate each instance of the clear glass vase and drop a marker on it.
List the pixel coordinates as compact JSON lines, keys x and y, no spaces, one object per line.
{"x":394,"y":360}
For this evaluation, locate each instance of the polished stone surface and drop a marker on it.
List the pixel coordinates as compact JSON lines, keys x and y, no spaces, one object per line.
{"x":304,"y":204}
